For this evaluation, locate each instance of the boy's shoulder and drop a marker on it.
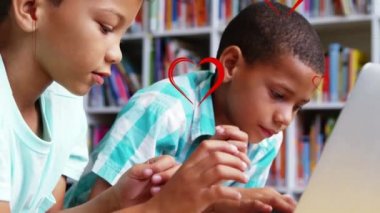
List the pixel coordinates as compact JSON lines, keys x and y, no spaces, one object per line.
{"x":163,"y":92}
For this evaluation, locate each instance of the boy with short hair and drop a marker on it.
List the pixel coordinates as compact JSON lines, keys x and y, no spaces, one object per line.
{"x":270,"y":62}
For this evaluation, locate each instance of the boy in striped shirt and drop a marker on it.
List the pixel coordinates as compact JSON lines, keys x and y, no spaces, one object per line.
{"x":270,"y":63}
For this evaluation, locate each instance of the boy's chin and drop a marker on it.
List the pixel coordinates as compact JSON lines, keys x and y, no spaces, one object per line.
{"x":79,"y":91}
{"x":255,"y":139}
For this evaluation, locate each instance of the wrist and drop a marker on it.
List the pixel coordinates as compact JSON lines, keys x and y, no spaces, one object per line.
{"x":152,"y":206}
{"x":115,"y":198}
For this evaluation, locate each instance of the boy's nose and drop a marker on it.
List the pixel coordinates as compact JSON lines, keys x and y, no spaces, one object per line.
{"x":114,"y":55}
{"x":283,"y":117}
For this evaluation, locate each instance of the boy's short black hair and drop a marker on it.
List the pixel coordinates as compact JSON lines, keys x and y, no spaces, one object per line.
{"x":261,"y":34}
{"x":6,"y":4}
{"x":4,"y":8}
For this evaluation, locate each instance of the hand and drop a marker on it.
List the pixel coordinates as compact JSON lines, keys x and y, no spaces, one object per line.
{"x":233,"y":135}
{"x":258,"y":200}
{"x":141,"y":181}
{"x":269,"y":196}
{"x":195,"y":185}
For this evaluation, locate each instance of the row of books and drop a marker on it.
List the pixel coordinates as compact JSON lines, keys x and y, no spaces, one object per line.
{"x":308,"y":8}
{"x":166,"y":15}
{"x":342,"y":66}
{"x":137,"y":25}
{"x":309,"y":145}
{"x":96,"y":134}
{"x":117,"y":89}
{"x":164,"y":52}
{"x":176,"y":14}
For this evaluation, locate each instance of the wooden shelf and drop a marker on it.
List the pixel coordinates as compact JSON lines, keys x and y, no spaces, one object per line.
{"x":323,"y":106}
{"x":183,"y":32}
{"x":339,"y":20}
{"x":103,"y":110}
{"x":132,"y":36}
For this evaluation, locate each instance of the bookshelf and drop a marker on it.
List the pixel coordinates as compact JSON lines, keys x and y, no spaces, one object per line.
{"x":361,"y":31}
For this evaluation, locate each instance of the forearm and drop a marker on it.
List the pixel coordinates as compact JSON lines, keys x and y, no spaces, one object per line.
{"x":141,"y":208}
{"x":105,"y":202}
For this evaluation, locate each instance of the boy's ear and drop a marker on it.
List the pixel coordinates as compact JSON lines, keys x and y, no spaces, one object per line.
{"x":230,"y":59}
{"x":25,"y":12}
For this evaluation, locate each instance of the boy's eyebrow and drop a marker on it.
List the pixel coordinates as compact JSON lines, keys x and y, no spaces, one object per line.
{"x":115,"y":12}
{"x":290,"y":91}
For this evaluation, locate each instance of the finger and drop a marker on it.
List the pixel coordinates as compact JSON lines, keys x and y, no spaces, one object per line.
{"x":140,"y":171}
{"x":221,"y":158}
{"x":244,"y":158}
{"x":257,"y":206}
{"x":220,"y":132}
{"x":226,"y":132}
{"x":220,"y":173}
{"x":162,"y":177}
{"x":154,"y":190}
{"x":278,"y":203}
{"x":289,"y":199}
{"x":242,"y":146}
{"x":162,"y":163}
{"x":207,"y":147}
{"x":215,"y":155}
{"x":236,"y":134}
{"x":218,"y":192}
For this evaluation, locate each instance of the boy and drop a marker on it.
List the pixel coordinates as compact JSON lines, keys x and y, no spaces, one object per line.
{"x":43,"y":126}
{"x":269,"y":64}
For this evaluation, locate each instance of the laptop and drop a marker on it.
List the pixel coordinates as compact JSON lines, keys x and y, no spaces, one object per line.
{"x":347,"y":176}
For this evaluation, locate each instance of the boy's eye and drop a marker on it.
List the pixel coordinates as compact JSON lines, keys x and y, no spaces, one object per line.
{"x":277,"y":95}
{"x":105,"y":28}
{"x":297,"y":108}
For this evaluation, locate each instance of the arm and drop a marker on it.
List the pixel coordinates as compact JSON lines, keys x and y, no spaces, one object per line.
{"x":223,"y":132}
{"x":100,"y":186}
{"x":196,"y":185}
{"x":139,"y":183}
{"x":4,"y":207}
{"x":59,"y":195}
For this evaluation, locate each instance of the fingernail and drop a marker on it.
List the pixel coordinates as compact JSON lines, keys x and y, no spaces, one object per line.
{"x":244,"y":165}
{"x":238,"y":196}
{"x":156,"y":179}
{"x":246,"y":177}
{"x":148,"y":172}
{"x":220,"y":129}
{"x":155,"y":190}
{"x":234,"y":148}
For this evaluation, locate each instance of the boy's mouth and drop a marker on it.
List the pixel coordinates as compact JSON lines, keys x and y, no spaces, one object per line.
{"x":267,"y":132}
{"x":98,"y":77}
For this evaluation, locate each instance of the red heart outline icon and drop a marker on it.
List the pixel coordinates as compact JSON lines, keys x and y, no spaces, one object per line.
{"x":271,"y":6}
{"x":217,"y":83}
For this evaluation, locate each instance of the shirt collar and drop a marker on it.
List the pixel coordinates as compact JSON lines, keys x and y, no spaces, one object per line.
{"x":203,"y":123}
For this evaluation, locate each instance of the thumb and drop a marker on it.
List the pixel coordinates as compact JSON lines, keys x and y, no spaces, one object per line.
{"x":220,"y":134}
{"x":140,"y":171}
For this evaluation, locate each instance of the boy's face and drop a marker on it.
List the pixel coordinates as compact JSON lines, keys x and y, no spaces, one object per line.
{"x":263,"y":98}
{"x":79,"y":40}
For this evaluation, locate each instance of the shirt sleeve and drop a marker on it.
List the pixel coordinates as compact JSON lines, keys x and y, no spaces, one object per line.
{"x":78,"y":158}
{"x":142,"y":130}
{"x":5,"y":164}
{"x":261,"y":156}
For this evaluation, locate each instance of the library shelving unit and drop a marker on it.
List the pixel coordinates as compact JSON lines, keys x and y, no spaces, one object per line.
{"x":356,"y":31}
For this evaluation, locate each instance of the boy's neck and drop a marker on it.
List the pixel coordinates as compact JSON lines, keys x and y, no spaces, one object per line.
{"x":219,"y":104}
{"x":26,"y":78}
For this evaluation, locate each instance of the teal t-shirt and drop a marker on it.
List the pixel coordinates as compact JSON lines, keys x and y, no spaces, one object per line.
{"x":30,"y":166}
